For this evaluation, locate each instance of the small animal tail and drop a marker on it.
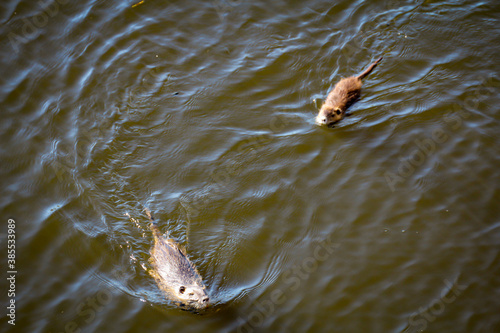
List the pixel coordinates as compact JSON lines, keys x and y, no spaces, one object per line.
{"x":369,"y":69}
{"x":154,"y":225}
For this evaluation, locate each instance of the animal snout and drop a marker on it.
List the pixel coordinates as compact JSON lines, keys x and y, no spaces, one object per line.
{"x":205,"y":300}
{"x":321,"y":120}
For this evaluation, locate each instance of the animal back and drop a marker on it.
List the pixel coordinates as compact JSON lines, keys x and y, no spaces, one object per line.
{"x":171,"y":264}
{"x":346,"y":91}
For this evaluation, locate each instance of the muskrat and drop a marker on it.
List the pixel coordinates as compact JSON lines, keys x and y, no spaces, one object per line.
{"x":345,"y":93}
{"x":174,"y":273}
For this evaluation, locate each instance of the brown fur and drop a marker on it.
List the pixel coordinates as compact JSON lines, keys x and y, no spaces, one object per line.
{"x":174,"y":273}
{"x":344,"y":94}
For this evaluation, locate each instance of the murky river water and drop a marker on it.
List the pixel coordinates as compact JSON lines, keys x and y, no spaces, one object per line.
{"x":204,"y":111}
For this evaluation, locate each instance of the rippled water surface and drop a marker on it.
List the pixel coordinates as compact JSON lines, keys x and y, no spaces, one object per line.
{"x":204,"y":111}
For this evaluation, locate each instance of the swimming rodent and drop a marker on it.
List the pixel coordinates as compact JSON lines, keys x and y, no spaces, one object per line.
{"x":345,"y":92}
{"x":174,"y":273}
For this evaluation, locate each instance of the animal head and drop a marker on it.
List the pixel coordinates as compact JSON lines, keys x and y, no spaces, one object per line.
{"x":328,"y":115}
{"x":192,"y":296}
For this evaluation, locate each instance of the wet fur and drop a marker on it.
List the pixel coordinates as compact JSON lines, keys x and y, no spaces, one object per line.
{"x":343,"y":95}
{"x":172,"y":270}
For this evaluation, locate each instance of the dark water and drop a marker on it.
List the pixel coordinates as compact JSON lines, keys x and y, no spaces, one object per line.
{"x":204,"y":112}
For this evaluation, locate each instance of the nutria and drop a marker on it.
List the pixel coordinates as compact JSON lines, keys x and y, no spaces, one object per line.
{"x":345,"y":92}
{"x":174,"y":273}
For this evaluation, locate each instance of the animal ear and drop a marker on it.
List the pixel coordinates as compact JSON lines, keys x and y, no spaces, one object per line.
{"x":338,"y":112}
{"x":182,"y":289}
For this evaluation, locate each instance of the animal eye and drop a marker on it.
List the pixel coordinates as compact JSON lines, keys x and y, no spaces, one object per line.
{"x":182,"y":289}
{"x":191,"y":294}
{"x":337,"y":112}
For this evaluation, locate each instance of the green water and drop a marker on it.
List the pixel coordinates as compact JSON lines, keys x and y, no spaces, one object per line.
{"x":204,"y":112}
